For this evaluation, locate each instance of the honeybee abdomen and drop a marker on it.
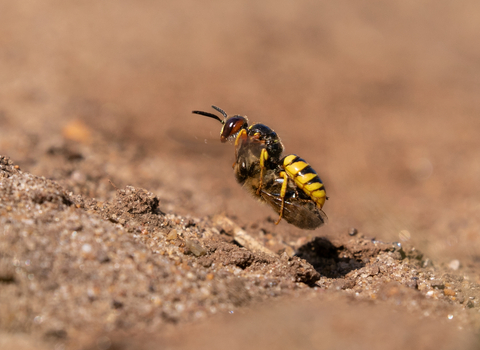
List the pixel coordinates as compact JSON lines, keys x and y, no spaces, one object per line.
{"x":305,"y":178}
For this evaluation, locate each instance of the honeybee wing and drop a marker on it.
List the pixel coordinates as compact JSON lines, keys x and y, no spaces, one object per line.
{"x":299,"y":212}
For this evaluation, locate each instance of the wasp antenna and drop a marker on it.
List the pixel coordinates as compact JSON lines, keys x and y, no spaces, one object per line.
{"x":210,"y":115}
{"x":218,"y":109}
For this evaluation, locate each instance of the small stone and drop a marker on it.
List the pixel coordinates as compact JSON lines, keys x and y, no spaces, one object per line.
{"x":195,"y":248}
{"x":172,"y":235}
{"x":339,"y":284}
{"x":289,"y":251}
{"x":413,"y":283}
{"x":349,"y":284}
{"x":427,"y":263}
{"x":117,"y":304}
{"x":352,"y":231}
{"x":454,"y":264}
{"x":437,"y":284}
{"x":374,"y":270}
{"x":449,"y":292}
{"x":156,"y":300}
{"x":102,"y":257}
{"x":86,"y":248}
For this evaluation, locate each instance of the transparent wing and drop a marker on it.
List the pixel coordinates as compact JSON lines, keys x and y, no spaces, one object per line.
{"x":299,"y":212}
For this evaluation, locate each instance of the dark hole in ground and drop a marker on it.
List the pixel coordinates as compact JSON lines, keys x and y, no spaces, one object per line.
{"x":329,"y":260}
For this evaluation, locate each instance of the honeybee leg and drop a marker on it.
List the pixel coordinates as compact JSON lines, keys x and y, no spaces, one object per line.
{"x":242,"y":134}
{"x":283,"y":191}
{"x":263,"y":158}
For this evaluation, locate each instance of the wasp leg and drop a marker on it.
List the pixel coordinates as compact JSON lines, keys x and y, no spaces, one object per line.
{"x":242,"y":134}
{"x":263,"y":158}
{"x":283,"y":191}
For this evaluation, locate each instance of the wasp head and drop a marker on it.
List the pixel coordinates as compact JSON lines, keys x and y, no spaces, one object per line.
{"x":231,"y":125}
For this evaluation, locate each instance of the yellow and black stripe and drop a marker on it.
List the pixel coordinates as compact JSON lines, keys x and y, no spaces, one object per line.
{"x":305,"y":178}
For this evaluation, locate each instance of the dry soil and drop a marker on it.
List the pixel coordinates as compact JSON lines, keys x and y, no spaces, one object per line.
{"x":122,"y":227}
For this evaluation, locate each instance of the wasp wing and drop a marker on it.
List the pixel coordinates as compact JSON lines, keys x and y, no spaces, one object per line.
{"x":296,"y":211}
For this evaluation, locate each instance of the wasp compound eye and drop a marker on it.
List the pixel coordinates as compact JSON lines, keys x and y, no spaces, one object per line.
{"x":232,"y":126}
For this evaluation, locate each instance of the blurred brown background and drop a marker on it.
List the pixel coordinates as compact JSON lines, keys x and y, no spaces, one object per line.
{"x":380,"y":97}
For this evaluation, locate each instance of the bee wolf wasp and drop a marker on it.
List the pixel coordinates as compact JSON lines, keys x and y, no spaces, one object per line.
{"x":288,"y":184}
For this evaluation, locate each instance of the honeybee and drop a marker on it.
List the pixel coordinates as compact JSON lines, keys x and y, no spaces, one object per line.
{"x":289,"y":184}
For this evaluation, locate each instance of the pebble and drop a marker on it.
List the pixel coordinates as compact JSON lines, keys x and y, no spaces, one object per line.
{"x":449,"y":292}
{"x":172,"y":235}
{"x":437,"y":284}
{"x":195,"y":248}
{"x":454,"y":264}
{"x":86,"y":248}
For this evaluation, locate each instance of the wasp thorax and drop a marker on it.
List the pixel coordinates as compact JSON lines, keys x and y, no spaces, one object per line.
{"x":269,"y":137}
{"x":232,"y":126}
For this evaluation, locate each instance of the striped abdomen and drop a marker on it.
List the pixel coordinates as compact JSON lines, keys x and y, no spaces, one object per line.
{"x":305,"y":178}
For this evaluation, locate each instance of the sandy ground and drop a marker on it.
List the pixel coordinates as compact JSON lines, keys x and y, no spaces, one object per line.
{"x":122,"y":226}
